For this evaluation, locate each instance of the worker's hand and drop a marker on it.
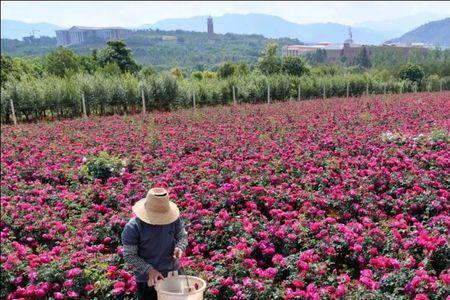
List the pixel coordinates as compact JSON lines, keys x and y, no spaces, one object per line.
{"x":153,"y":276}
{"x":177,"y":253}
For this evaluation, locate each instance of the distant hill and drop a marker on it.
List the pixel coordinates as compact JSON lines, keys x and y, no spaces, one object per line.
{"x":166,"y":49}
{"x":275,"y":27}
{"x":12,"y":29}
{"x":401,"y":25}
{"x":436,"y":33}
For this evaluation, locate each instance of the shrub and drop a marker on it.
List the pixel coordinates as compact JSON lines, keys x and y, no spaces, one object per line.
{"x":102,"y":166}
{"x":412,"y":72}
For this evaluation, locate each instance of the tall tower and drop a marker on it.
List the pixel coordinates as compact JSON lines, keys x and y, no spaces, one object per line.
{"x":210,"y":28}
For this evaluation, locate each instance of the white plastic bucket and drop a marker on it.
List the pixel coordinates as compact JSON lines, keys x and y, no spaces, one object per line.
{"x":175,"y":287}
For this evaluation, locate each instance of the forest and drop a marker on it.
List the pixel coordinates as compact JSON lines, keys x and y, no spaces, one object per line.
{"x":187,"y":50}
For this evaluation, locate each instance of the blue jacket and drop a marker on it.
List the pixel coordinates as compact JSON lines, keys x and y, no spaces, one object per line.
{"x":147,"y":246}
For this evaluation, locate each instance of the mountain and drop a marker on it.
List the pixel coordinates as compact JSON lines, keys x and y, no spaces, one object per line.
{"x":12,"y":29}
{"x":399,"y":26}
{"x":436,"y":33}
{"x":275,"y":27}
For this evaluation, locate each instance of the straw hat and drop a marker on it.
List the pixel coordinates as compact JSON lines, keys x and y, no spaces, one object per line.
{"x":156,"y":208}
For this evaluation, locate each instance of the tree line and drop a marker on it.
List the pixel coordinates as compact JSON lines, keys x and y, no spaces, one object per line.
{"x":112,"y":82}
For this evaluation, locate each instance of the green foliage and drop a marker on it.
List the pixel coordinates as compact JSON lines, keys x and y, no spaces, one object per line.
{"x":226,"y":70}
{"x":433,"y":82}
{"x":242,"y":69}
{"x":102,"y":166}
{"x":209,"y":74}
{"x":89,"y":64}
{"x":40,"y":94}
{"x":62,"y":62}
{"x":412,"y":72}
{"x":111,"y":68}
{"x":147,"y":71}
{"x":363,"y":59}
{"x":160,"y":91}
{"x":117,"y":52}
{"x":197,"y":75}
{"x":269,"y":62}
{"x":7,"y":66}
{"x":294,"y":65}
{"x":177,"y":73}
{"x":317,"y":57}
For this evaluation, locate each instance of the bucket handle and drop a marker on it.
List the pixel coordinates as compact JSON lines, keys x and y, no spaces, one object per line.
{"x":185,"y":275}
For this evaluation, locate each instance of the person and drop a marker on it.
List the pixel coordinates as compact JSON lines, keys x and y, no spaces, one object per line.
{"x":153,"y":241}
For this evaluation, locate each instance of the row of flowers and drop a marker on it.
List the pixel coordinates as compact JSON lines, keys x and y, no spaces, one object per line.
{"x":332,"y":199}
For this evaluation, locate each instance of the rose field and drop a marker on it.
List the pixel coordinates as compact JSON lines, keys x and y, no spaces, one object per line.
{"x":322,"y":199}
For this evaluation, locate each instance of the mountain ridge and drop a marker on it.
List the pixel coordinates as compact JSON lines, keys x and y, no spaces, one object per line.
{"x":14,"y":29}
{"x":273,"y":27}
{"x":440,"y":34}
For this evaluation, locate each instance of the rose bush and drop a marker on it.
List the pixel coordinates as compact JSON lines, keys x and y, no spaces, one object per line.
{"x":332,"y":199}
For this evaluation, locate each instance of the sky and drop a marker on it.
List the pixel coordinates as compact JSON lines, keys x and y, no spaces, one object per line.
{"x":135,"y":13}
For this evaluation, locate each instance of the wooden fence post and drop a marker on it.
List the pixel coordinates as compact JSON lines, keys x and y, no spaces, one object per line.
{"x":440,"y":85}
{"x":288,"y":92}
{"x":367,"y":89}
{"x":234,"y":96}
{"x":299,"y":93}
{"x":194,"y":100}
{"x":268,"y":93}
{"x":324,"y":91}
{"x":13,"y":112}
{"x":401,"y":88}
{"x":143,"y":103}
{"x":84,"y":105}
{"x":348,"y":90}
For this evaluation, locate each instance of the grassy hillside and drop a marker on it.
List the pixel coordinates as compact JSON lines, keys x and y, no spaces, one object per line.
{"x":437,"y":33}
{"x":165,"y":49}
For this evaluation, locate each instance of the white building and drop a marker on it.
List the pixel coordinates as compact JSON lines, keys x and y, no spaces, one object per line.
{"x":81,"y":34}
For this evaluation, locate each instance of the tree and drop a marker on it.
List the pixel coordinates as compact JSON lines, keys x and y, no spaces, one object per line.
{"x":6,"y":64}
{"x":177,"y":73}
{"x":269,"y":62}
{"x":197,"y":75}
{"x":294,"y":65}
{"x":61,"y":62}
{"x":226,"y":70}
{"x":116,"y":51}
{"x":88,"y":64}
{"x":209,"y":74}
{"x":363,"y":59}
{"x":111,"y":68}
{"x":242,"y":69}
{"x":412,"y":72}
{"x":148,"y":71}
{"x":317,"y":57}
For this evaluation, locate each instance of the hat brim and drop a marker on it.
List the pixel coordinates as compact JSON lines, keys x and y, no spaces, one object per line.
{"x":155,"y":218}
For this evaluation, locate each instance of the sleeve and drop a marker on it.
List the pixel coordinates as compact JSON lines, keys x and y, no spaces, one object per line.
{"x":130,"y":240}
{"x":181,"y":236}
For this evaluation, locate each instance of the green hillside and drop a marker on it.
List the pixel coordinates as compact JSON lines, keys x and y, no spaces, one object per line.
{"x":166,"y":49}
{"x":436,"y":33}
